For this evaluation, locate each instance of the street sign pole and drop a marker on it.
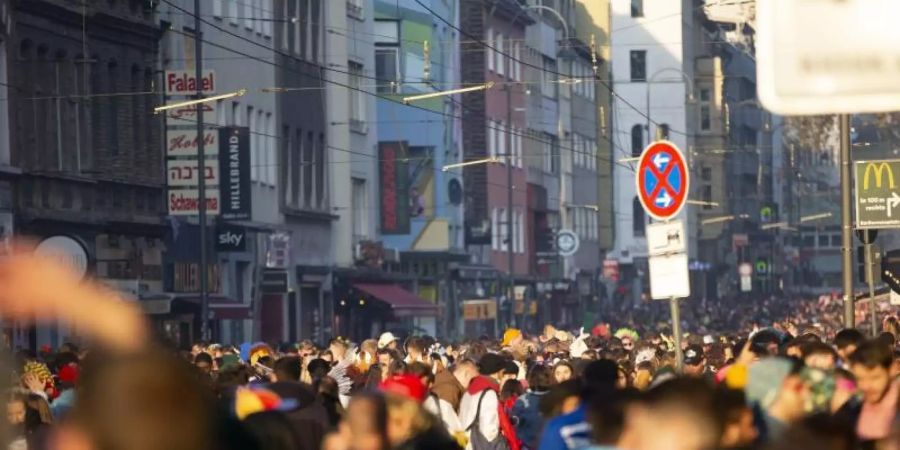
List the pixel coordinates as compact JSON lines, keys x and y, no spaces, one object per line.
{"x":663,"y":181}
{"x":676,"y":330}
{"x":846,"y":224}
{"x":201,"y":169}
{"x":870,"y":279}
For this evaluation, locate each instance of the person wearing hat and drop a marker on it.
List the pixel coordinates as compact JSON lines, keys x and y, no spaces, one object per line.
{"x":694,"y":361}
{"x":387,"y":340}
{"x":511,"y":337}
{"x":778,"y":394}
{"x":480,"y":411}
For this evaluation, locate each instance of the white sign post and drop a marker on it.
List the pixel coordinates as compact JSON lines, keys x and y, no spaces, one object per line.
{"x":828,"y":56}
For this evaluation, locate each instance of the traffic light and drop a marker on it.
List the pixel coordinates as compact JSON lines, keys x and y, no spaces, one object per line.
{"x":861,"y":263}
{"x":890,"y":270}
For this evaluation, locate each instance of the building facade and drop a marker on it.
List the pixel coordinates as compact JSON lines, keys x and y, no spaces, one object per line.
{"x":92,"y":175}
{"x":653,"y":73}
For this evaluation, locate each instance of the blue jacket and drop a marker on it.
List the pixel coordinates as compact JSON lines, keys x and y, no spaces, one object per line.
{"x":62,"y":404}
{"x":526,"y":416}
{"x":567,"y":432}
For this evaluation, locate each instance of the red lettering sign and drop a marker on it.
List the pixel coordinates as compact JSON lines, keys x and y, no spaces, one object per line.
{"x":183,"y":82}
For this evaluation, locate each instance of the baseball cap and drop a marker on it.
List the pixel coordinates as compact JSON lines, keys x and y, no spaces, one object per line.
{"x":693,"y":355}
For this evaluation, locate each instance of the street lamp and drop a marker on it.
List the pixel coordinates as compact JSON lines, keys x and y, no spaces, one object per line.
{"x":689,"y":82}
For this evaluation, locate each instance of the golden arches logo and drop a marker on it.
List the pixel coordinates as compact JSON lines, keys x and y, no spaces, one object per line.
{"x":878,"y":169}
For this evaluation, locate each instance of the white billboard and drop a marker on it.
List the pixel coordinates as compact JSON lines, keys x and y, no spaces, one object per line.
{"x":184,"y":142}
{"x":186,"y":116}
{"x":828,"y":56}
{"x":184,"y":172}
{"x":186,"y":202}
{"x":184,"y":82}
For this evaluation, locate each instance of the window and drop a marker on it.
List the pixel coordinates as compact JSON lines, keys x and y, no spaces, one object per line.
{"x":706,"y":173}
{"x":516,"y":72}
{"x":286,"y":27}
{"x":514,"y":239}
{"x":637,"y":140}
{"x":315,"y":25}
{"x":637,"y":8}
{"x":387,"y":69}
{"x":495,"y":229}
{"x":520,"y":148}
{"x":217,"y":8}
{"x":500,"y":54}
{"x":248,"y":13}
{"x":254,"y":145}
{"x":637,"y":217}
{"x":707,"y":197}
{"x":705,"y":109}
{"x":823,"y":240}
{"x":357,"y":99}
{"x":638,"y":65}
{"x":360,"y":207}
{"x":272,"y":166}
{"x":112,"y":102}
{"x":236,"y":114}
{"x":504,"y":231}
{"x":233,"y":11}
{"x":488,"y":49}
{"x":267,"y":13}
{"x":520,"y":234}
{"x":491,"y":139}
{"x":548,"y":80}
{"x":501,"y":142}
{"x":307,"y":161}
{"x":321,"y":195}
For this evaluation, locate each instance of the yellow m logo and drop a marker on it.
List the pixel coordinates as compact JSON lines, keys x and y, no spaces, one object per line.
{"x":879,"y":170}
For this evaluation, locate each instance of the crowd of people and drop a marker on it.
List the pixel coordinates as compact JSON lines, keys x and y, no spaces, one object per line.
{"x":775,"y":375}
{"x":599,"y":389}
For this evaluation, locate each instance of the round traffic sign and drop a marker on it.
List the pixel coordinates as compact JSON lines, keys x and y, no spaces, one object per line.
{"x":662,"y":180}
{"x":567,"y":242}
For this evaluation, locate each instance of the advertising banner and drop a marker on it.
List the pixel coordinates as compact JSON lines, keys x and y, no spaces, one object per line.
{"x":234,"y":171}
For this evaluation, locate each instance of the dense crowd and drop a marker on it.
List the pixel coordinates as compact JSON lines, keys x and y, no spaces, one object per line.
{"x":770,"y":375}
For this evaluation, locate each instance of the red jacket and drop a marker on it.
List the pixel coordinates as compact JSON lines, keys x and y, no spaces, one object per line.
{"x":482,"y":383}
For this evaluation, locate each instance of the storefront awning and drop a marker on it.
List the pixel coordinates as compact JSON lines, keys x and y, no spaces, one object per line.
{"x":220,"y":307}
{"x":402,"y":301}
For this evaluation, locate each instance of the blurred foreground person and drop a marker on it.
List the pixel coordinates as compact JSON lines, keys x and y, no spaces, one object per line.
{"x":676,"y":415}
{"x":871,"y":364}
{"x":144,"y":401}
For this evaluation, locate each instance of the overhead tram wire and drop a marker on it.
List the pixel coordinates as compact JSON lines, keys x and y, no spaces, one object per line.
{"x":533,"y":66}
{"x":325,"y":80}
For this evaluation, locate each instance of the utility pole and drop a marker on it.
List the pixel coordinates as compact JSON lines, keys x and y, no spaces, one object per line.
{"x":846,"y":223}
{"x":201,"y":170}
{"x":511,"y":296}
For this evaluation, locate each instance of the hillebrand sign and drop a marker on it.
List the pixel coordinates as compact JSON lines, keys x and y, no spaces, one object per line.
{"x":234,"y":170}
{"x":184,"y":82}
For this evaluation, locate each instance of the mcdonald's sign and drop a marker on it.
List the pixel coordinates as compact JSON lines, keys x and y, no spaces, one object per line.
{"x":877,"y":194}
{"x":878,"y":169}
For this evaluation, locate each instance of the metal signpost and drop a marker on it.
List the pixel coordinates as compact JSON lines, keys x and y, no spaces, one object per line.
{"x":663,"y":182}
{"x":867,"y":237}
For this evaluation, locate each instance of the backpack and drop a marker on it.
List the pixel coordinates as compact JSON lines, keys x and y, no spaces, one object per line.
{"x":477,"y":438}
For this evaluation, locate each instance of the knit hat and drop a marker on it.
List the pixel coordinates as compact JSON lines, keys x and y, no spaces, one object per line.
{"x":405,"y":385}
{"x":509,"y":336}
{"x":764,"y":380}
{"x":490,"y":364}
{"x":69,"y":374}
{"x":249,"y":401}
